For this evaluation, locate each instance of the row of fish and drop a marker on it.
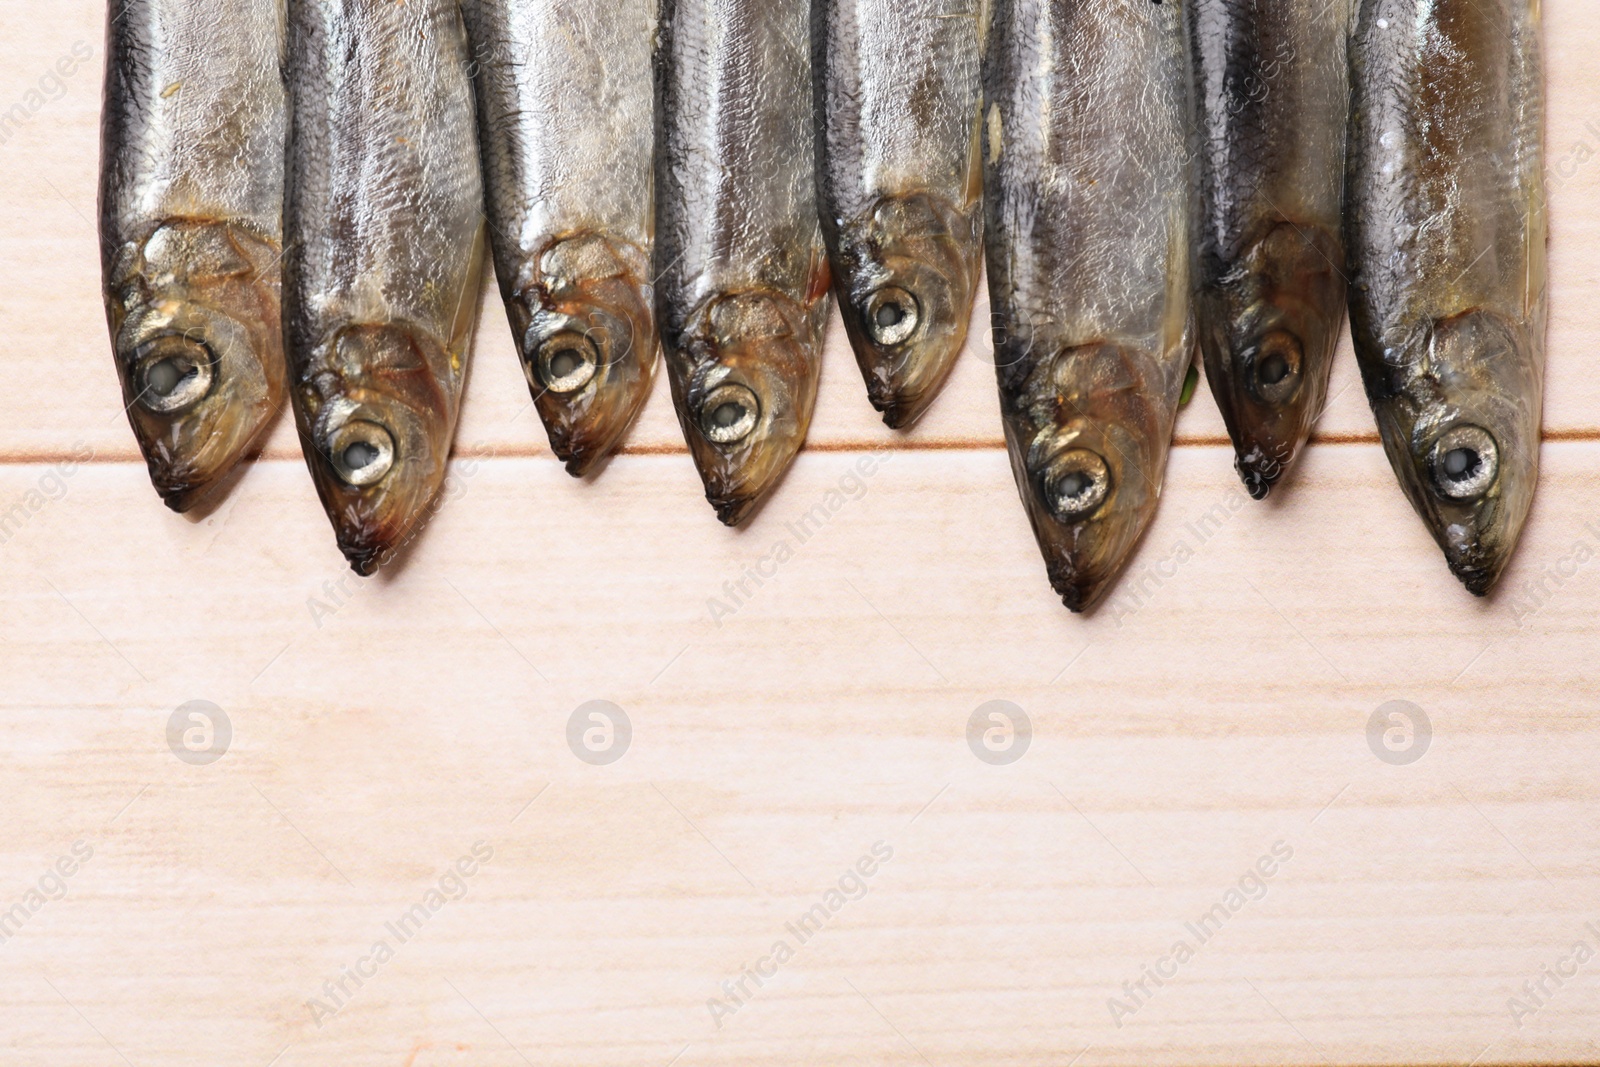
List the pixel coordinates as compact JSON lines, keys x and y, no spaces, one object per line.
{"x":1143,"y":179}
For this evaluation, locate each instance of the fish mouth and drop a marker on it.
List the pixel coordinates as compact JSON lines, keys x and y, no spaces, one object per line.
{"x":198,"y":340}
{"x":588,"y":345}
{"x":376,"y":436}
{"x":746,"y":408}
{"x":1089,"y":453}
{"x":908,"y":277}
{"x":1268,"y":329}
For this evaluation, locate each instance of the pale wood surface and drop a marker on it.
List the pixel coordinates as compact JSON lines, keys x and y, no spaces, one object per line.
{"x":1218,"y":705}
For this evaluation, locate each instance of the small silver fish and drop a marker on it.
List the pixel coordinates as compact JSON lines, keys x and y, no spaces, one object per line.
{"x":1271,"y":94}
{"x":566,"y":111}
{"x":742,"y":278}
{"x":900,"y":178}
{"x":1446,"y":229}
{"x":191,"y":230}
{"x":1088,"y":204}
{"x":385,"y":255}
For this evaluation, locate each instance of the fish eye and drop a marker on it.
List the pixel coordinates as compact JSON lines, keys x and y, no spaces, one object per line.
{"x":729,"y":414}
{"x":173,"y":374}
{"x":1076,"y":483}
{"x":891,"y":315}
{"x":1465,"y":462}
{"x":1277,"y":367}
{"x":362,"y":452}
{"x":566,"y":362}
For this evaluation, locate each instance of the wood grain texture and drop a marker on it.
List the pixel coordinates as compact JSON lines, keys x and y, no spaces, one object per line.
{"x":1215,"y":707}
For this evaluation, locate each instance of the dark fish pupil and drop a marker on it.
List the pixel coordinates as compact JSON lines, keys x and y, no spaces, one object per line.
{"x":1274,"y":369}
{"x":564,"y":363}
{"x":727,"y":414}
{"x":166,"y":376}
{"x":890,"y":315}
{"x":359,"y":455}
{"x":1460,"y":464}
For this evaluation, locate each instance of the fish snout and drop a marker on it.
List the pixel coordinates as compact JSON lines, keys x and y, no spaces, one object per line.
{"x":378,"y":451}
{"x":907,"y":305}
{"x":1268,"y":328}
{"x":588,"y":346}
{"x":1460,"y":471}
{"x":1088,"y":436}
{"x":1088,"y":511}
{"x":199,"y":388}
{"x":1268,"y":425}
{"x":1470,"y":439}
{"x":749,"y":405}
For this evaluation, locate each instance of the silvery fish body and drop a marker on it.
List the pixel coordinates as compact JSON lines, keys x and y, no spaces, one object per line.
{"x":900,"y":179}
{"x":191,"y":230}
{"x":385,"y":255}
{"x":1446,"y":229}
{"x":1272,"y":103}
{"x":566,"y":111}
{"x":742,"y":275}
{"x":1087,"y":199}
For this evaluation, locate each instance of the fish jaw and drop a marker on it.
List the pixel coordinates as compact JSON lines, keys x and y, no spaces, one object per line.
{"x":195,"y":322}
{"x":587,"y":341}
{"x":908,"y":277}
{"x":747,"y":402}
{"x":1268,"y":328}
{"x":376,"y":428}
{"x":1088,"y":447}
{"x":1462,"y":434}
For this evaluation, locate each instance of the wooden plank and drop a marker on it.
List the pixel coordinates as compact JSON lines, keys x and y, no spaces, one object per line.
{"x":63,"y":388}
{"x":1217,"y":708}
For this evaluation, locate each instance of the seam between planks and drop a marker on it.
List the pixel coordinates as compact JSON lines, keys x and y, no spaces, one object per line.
{"x":24,"y":457}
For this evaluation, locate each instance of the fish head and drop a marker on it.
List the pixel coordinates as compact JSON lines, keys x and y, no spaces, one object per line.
{"x":1464,"y":437}
{"x":376,"y":430}
{"x":1088,"y":452}
{"x":1268,"y":333}
{"x":199,"y":342}
{"x":588,"y":344}
{"x":907,"y":298}
{"x":747,"y":405}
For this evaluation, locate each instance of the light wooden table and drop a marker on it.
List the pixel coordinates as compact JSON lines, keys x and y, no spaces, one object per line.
{"x":1215,"y":711}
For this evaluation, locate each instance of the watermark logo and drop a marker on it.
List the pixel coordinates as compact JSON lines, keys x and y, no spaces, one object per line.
{"x":1540,"y":990}
{"x":52,"y":885}
{"x":850,"y":886}
{"x":1252,"y":886}
{"x":599,"y":732}
{"x":999,"y":732}
{"x":1399,"y":733}
{"x":50,"y":87}
{"x":452,"y":885}
{"x":51,"y":488}
{"x":852,"y":485}
{"x":199,"y":732}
